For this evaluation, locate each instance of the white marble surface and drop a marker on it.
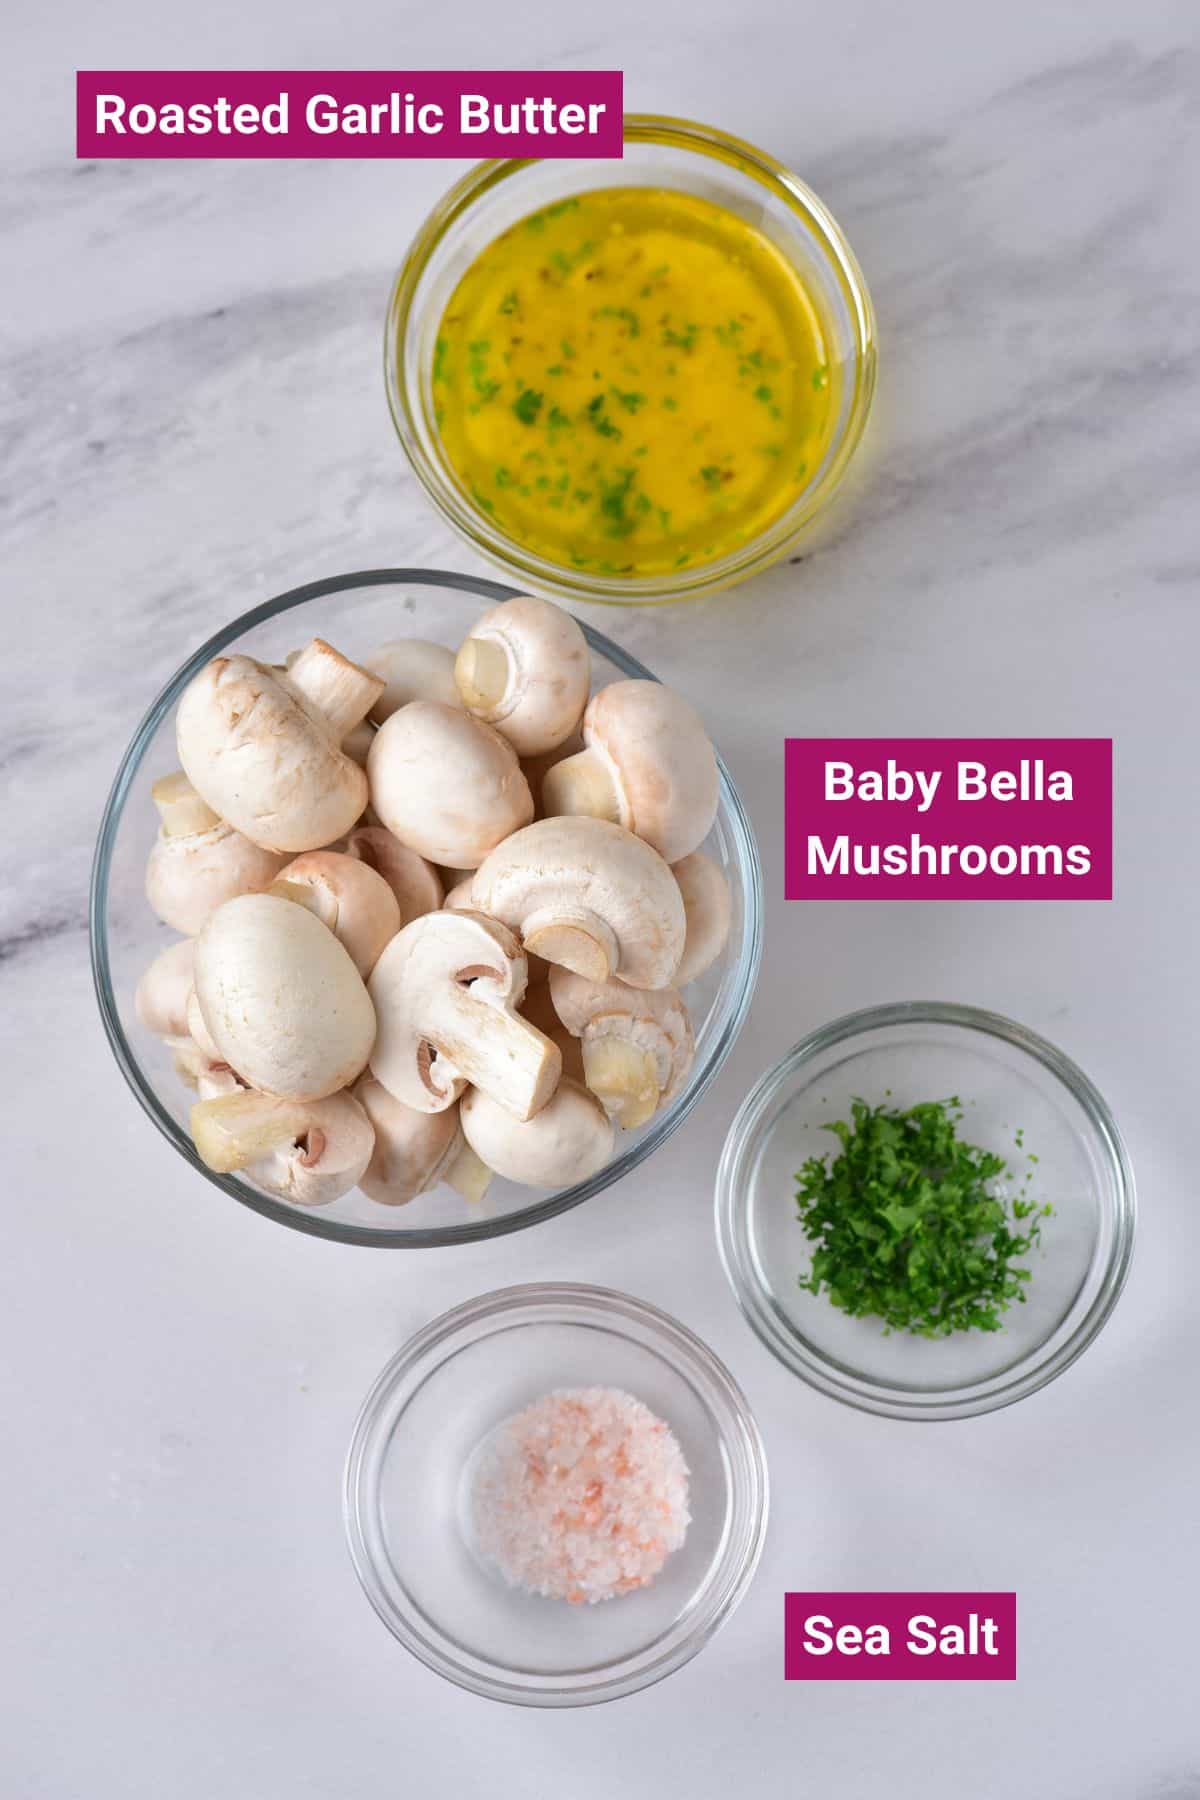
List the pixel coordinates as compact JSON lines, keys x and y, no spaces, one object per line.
{"x":192,"y":419}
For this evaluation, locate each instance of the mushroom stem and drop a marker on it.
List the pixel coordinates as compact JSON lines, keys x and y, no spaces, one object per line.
{"x":581,"y":785}
{"x":237,"y":1129}
{"x":314,"y":899}
{"x":493,"y":1049}
{"x":337,"y":687}
{"x":468,"y":1175}
{"x":624,"y":1078}
{"x":481,"y":673}
{"x":576,"y":939}
{"x":183,"y":812}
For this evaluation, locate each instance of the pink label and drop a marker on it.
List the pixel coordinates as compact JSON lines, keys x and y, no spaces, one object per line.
{"x":948,"y":818}
{"x":900,"y":1637}
{"x":341,"y":113}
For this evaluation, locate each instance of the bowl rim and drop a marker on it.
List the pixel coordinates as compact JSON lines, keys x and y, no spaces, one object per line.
{"x":311,"y":1221}
{"x":591,"y":1306}
{"x":869,"y":1394}
{"x":664,"y":588}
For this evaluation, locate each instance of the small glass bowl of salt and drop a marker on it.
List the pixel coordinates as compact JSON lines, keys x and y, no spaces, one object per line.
{"x":555,"y":1495}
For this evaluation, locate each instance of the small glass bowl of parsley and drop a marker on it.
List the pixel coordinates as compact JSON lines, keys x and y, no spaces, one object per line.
{"x":925,"y":1210}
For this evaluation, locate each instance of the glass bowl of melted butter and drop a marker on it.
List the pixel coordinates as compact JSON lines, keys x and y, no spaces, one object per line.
{"x":634,"y":381}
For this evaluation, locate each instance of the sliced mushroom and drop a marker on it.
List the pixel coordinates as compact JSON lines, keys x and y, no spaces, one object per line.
{"x":637,"y":1047}
{"x":445,"y":785}
{"x":309,"y":1154}
{"x":346,"y":895}
{"x":709,"y":909}
{"x":282,"y":999}
{"x":568,"y":1140}
{"x":589,"y":895}
{"x":524,"y":668}
{"x":160,"y":1001}
{"x":412,"y":669}
{"x":264,"y":748}
{"x":198,"y":861}
{"x":648,"y":766}
{"x":415,"y":1151}
{"x":446,"y":992}
{"x":415,"y":883}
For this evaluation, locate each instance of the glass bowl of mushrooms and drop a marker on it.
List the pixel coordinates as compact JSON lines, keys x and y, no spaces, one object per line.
{"x":420,"y":911}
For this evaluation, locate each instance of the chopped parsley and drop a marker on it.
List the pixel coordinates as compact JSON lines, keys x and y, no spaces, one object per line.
{"x":908,"y":1225}
{"x":527,"y":406}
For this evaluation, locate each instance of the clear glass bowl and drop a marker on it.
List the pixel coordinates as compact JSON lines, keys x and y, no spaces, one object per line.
{"x":405,"y":1502}
{"x":357,"y":613}
{"x":659,"y":152}
{"x":1010,"y":1081}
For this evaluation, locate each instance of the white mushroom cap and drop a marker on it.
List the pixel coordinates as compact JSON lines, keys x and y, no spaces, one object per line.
{"x":198,"y":861}
{"x":412,"y":669}
{"x":524,"y":668}
{"x":709,"y":909}
{"x":198,"y":1031}
{"x":459,"y":897}
{"x":357,"y":743}
{"x":536,"y":768}
{"x":445,"y":785}
{"x":309,"y":1154}
{"x":346,"y":895}
{"x":263,"y":748}
{"x":446,"y":992}
{"x":284,"y":1003}
{"x":160,"y":1001}
{"x":589,"y":895}
{"x":648,"y":766}
{"x":415,"y":883}
{"x":637,"y":1047}
{"x":414,"y":1151}
{"x":568,"y":1140}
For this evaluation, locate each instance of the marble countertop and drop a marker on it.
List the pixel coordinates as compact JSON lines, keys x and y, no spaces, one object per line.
{"x":191,"y":419}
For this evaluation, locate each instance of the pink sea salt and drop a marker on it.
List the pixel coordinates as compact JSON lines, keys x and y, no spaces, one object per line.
{"x":582,"y":1496}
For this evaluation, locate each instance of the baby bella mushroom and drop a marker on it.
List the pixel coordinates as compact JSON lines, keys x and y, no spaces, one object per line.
{"x":198,"y":861}
{"x":637,"y":1047}
{"x":263,"y":746}
{"x":310,"y":1154}
{"x":445,"y":785}
{"x":648,"y":766}
{"x":346,"y":895}
{"x":281,"y":998}
{"x":568,"y":1140}
{"x":415,"y":1151}
{"x":524,"y":668}
{"x":412,"y":669}
{"x":588,"y":895}
{"x":709,"y":910}
{"x":446,"y":992}
{"x":415,"y":883}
